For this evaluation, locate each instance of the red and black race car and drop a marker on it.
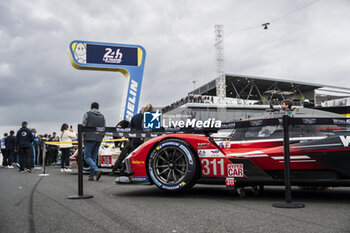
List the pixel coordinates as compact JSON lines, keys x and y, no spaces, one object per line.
{"x":248,"y":156}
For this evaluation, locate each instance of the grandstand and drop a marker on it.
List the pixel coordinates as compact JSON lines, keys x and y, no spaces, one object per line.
{"x":250,"y":96}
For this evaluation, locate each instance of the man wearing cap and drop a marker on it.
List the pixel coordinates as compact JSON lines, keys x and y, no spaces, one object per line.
{"x":24,"y":139}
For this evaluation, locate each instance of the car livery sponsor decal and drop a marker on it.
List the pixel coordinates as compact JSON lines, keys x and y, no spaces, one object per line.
{"x":203,"y":145}
{"x":139,"y":178}
{"x":235,"y":170}
{"x":345,"y":140}
{"x":137,"y":162}
{"x":341,"y":121}
{"x":225,"y":145}
{"x":210,"y":153}
{"x":173,"y":187}
{"x":230,"y":181}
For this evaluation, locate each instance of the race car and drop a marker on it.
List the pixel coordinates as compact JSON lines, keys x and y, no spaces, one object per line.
{"x":248,"y":156}
{"x":107,"y":155}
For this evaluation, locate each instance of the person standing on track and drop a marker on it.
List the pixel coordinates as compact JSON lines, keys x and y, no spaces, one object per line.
{"x":135,"y":124}
{"x":4,"y":151}
{"x":66,"y":136}
{"x":24,"y":139}
{"x":93,"y":118}
{"x":10,"y":143}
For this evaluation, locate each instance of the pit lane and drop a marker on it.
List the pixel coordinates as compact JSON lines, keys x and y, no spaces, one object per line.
{"x":29,"y":203}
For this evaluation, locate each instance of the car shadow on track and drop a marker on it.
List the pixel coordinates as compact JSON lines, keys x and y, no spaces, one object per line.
{"x":219,"y":192}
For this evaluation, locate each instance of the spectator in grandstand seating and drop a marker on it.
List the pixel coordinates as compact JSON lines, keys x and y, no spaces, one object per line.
{"x":190,"y":98}
{"x":93,"y":118}
{"x":200,"y":100}
{"x":286,"y":105}
{"x":3,"y":150}
{"x":24,"y":139}
{"x":66,"y":136}
{"x":10,"y":143}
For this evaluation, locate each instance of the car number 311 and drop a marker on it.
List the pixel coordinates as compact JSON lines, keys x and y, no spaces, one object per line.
{"x":213,"y":166}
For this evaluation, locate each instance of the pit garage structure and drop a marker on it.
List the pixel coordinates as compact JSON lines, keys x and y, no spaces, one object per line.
{"x":250,"y":96}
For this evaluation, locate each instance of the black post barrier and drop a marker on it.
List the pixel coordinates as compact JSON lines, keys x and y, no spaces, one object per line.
{"x":80,"y":168}
{"x":44,"y":162}
{"x":288,"y":190}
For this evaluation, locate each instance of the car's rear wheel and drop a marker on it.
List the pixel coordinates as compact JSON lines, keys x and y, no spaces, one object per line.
{"x":173,"y":166}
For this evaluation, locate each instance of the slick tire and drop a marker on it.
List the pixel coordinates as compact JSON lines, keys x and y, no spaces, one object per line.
{"x":173,"y":166}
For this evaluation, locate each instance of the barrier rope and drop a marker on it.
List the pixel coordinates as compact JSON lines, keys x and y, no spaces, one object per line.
{"x":151,"y":133}
{"x":65,"y":142}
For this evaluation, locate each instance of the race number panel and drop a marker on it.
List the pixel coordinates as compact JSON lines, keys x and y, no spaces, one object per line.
{"x":214,"y":166}
{"x":106,"y":160}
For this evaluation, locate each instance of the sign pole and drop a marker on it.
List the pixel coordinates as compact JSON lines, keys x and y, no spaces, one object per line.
{"x":80,"y":168}
{"x":287,"y":182}
{"x":44,"y":161}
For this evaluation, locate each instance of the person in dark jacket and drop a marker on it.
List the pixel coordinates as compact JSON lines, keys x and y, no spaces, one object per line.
{"x":24,"y":139}
{"x":136,"y":123}
{"x":52,"y":150}
{"x":93,"y":118}
{"x":122,"y":124}
{"x":4,"y":151}
{"x":10,"y":143}
{"x":123,"y":146}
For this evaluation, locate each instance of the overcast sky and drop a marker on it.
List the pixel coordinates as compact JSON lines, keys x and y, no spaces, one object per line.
{"x":307,"y":40}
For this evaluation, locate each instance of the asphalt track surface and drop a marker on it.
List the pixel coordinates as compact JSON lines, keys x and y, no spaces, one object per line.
{"x":30,"y":203}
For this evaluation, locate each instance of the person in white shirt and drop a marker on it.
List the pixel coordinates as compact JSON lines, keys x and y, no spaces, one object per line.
{"x":66,"y":136}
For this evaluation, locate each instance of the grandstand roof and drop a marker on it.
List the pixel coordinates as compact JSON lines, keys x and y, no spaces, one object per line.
{"x":257,"y":88}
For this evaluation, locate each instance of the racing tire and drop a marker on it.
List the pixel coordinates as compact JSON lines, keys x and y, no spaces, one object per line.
{"x":173,"y":166}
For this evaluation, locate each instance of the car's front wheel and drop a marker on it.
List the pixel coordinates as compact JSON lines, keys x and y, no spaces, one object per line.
{"x":173,"y":166}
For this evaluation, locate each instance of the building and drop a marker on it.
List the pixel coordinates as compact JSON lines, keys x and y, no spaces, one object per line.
{"x":249,"y":97}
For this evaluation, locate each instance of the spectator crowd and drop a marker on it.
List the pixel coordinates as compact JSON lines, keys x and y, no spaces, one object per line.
{"x":31,"y":145}
{"x":189,"y":99}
